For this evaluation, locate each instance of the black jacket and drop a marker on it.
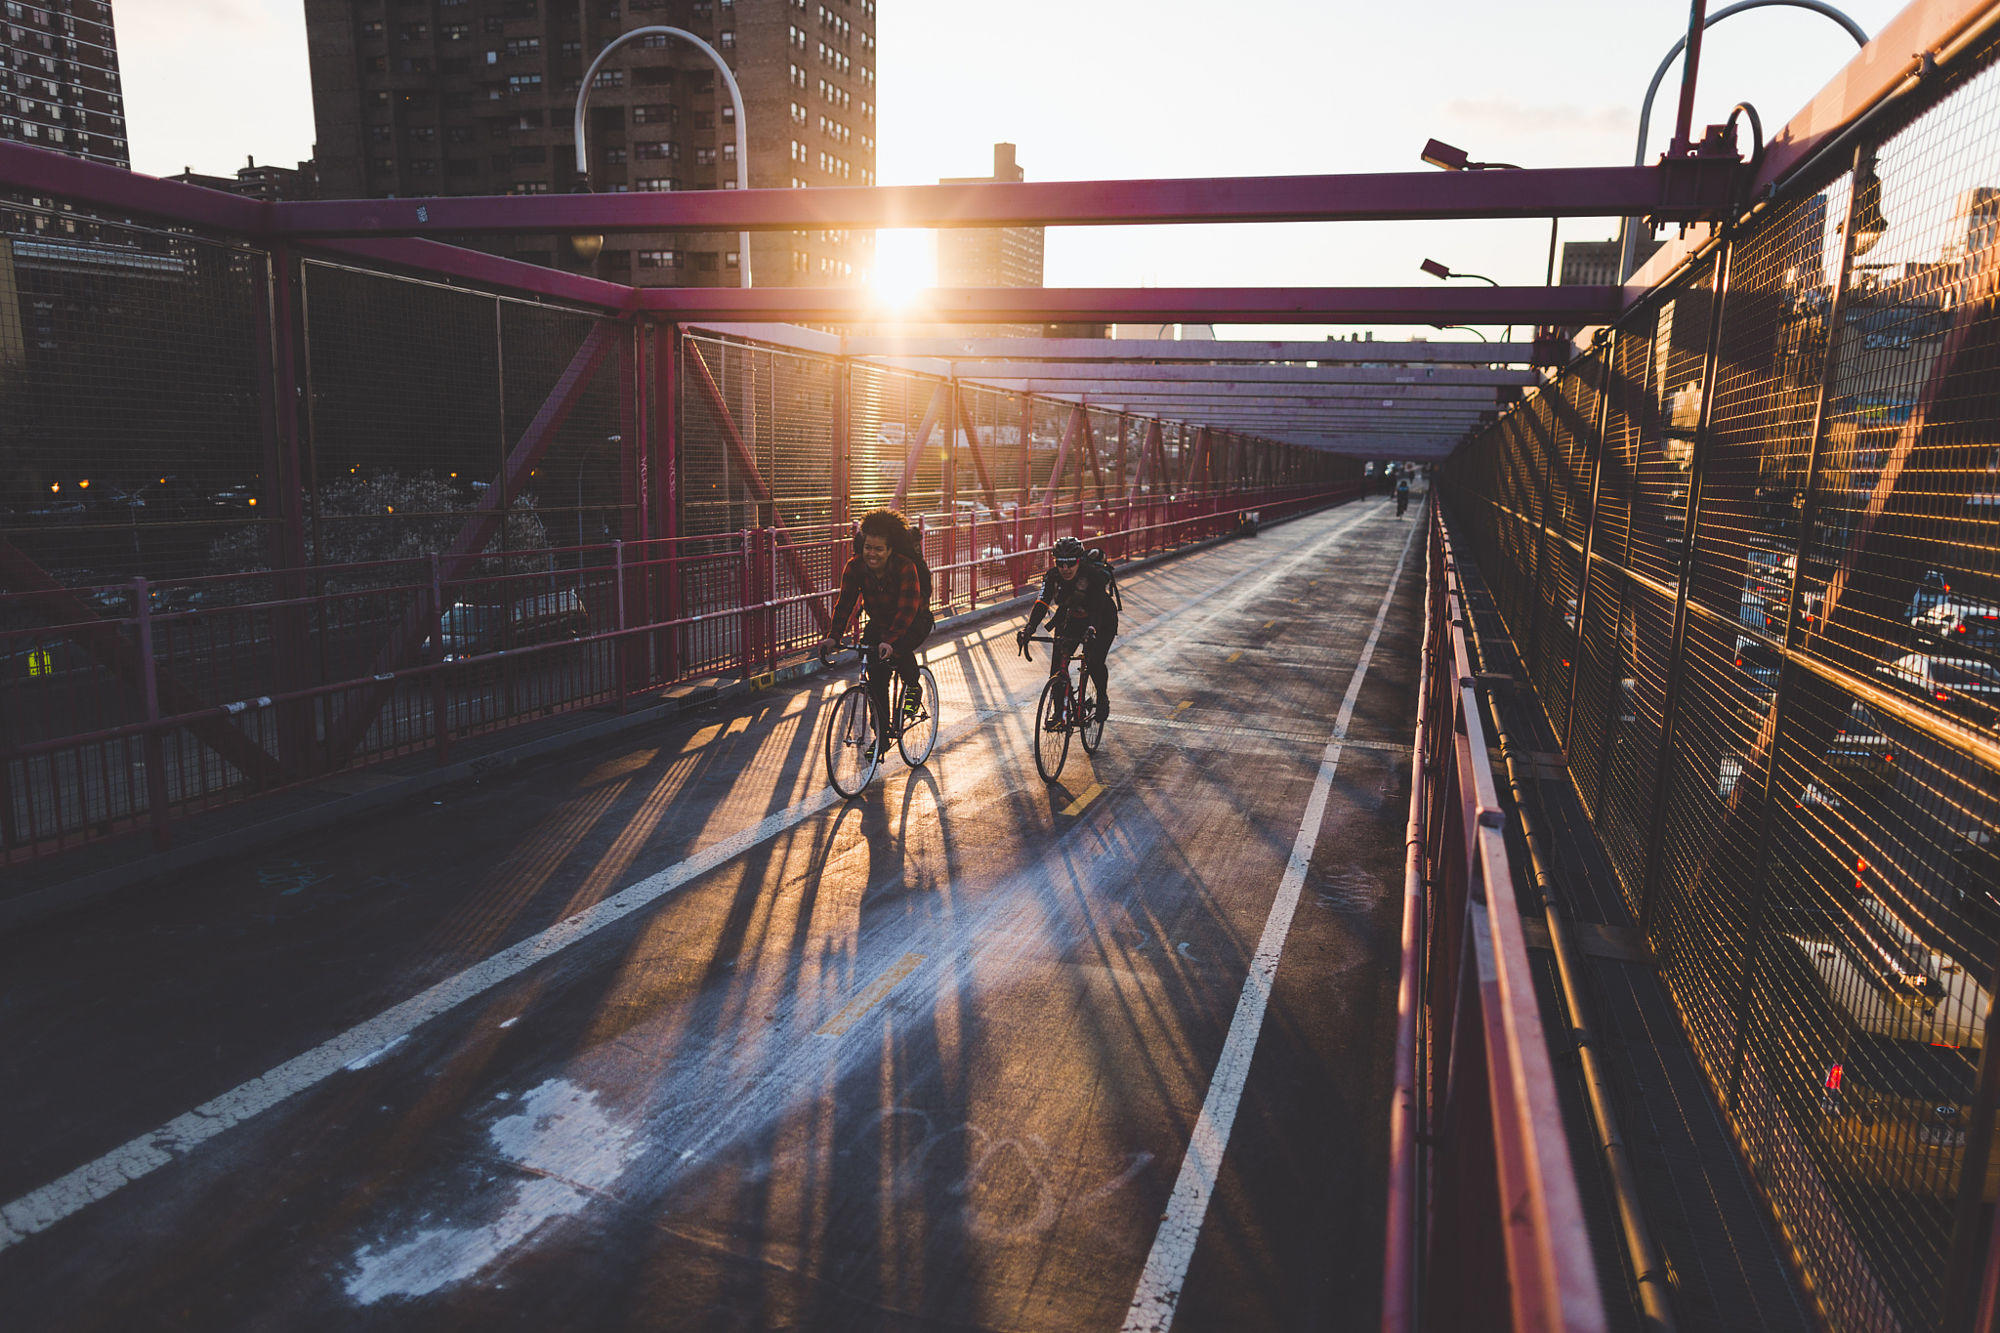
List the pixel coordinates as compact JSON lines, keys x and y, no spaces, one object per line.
{"x":1072,"y":605}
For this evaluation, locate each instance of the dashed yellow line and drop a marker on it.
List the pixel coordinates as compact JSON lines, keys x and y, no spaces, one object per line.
{"x":868,"y":999}
{"x":1269,"y":623}
{"x":1183,"y":705}
{"x":1095,"y":790}
{"x":1233,"y":656}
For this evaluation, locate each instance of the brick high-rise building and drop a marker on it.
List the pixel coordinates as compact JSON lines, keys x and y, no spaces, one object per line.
{"x":991,"y":256}
{"x":471,"y":97}
{"x":59,"y":86}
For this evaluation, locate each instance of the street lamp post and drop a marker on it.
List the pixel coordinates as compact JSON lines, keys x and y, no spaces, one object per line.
{"x":735,"y":97}
{"x":1628,"y":228}
{"x":1442,"y":272}
{"x":1445,"y":157}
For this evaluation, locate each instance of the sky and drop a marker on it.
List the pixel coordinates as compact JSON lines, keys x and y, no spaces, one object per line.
{"x":1125,"y":89}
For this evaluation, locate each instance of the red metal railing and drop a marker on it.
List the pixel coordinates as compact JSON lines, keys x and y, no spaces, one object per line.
{"x":99,"y":736}
{"x":1485,"y":1227}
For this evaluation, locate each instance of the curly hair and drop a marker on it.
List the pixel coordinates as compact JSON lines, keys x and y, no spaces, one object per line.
{"x":889,"y":525}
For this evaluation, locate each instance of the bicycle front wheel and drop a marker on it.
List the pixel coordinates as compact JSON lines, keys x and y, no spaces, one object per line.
{"x":851,"y":760}
{"x":919,"y":735}
{"x":1052,"y":729}
{"x":1091,"y":730}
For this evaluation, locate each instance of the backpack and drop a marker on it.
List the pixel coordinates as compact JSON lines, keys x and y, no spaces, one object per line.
{"x":1097,"y":561}
{"x":913,"y":551}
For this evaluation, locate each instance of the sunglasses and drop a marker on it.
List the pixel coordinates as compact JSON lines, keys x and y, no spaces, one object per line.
{"x":1065,"y":564}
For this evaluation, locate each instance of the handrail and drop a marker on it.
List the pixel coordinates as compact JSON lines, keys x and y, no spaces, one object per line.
{"x":1497,"y":1223}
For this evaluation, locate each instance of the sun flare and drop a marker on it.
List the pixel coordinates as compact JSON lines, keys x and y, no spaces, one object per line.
{"x":905,"y":264}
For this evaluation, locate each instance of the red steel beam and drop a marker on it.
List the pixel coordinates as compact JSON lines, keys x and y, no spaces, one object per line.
{"x":1203,"y":305}
{"x":1679,"y":191}
{"x":1047,"y":511}
{"x":113,"y":651}
{"x":746,"y":459}
{"x":914,"y":455}
{"x":1149,"y":445}
{"x":434,"y":259}
{"x":481,"y":522}
{"x":978,"y":459}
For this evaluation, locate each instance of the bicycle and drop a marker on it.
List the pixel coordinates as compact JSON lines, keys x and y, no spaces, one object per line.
{"x":1068,"y":704}
{"x":852,"y":748}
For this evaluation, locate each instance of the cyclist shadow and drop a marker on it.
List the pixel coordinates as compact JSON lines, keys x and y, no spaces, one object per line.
{"x":885,"y":822}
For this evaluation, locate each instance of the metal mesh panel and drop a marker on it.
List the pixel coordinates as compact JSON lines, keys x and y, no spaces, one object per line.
{"x":130,"y":437}
{"x":1820,"y":842}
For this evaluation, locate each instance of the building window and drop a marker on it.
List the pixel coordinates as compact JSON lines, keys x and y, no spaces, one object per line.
{"x":369,"y":27}
{"x":655,"y":184}
{"x":528,"y":187}
{"x":659,"y":259}
{"x":652,"y":113}
{"x":609,"y":78}
{"x":519,"y":84}
{"x":457,"y":32}
{"x":729,"y":152}
{"x":524,"y":46}
{"x":614,"y":157}
{"x":726,"y":39}
{"x":732,"y":260}
{"x":704,"y":157}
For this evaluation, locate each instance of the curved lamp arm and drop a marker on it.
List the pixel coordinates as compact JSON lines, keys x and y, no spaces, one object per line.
{"x":1628,"y":227}
{"x":735,"y":97}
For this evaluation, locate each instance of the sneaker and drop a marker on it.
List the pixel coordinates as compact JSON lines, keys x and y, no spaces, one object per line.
{"x":913,"y":705}
{"x":1100,"y":711}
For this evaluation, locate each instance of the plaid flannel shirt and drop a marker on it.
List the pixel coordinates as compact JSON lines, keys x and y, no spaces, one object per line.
{"x":894,"y":601}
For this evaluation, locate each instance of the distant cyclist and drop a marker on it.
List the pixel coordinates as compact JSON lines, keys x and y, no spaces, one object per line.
{"x":1402,"y":496}
{"x":1079,"y":599}
{"x":886,"y":581}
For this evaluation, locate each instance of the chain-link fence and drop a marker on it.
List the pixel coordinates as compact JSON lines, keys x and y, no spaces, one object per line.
{"x":1748,"y":545}
{"x":267,"y":515}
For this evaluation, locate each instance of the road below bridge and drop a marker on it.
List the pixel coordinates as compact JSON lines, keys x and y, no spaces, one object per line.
{"x":664,"y":1035}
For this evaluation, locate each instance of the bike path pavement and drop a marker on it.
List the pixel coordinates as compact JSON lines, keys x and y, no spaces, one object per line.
{"x":925,"y":1059}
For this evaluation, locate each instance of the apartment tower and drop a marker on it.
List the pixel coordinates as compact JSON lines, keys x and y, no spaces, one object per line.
{"x":476,"y":97}
{"x":59,"y":85}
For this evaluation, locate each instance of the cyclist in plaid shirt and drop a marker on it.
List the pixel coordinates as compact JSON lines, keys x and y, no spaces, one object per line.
{"x":884,"y":580}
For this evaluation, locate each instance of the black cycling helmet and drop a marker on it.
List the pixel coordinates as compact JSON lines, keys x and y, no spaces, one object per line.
{"x":1067,"y":549}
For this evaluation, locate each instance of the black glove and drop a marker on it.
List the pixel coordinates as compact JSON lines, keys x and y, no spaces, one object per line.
{"x":1089,"y":633}
{"x":1021,"y":641}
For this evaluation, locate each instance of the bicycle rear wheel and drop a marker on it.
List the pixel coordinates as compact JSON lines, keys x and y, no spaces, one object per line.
{"x":1091,"y":730}
{"x":919,"y":735}
{"x":1052,"y":729}
{"x":851,"y":760}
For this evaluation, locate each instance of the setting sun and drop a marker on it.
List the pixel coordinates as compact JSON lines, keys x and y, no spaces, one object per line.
{"x":905,"y":264}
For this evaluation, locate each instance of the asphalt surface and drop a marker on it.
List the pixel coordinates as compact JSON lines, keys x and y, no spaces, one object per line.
{"x":667,"y":1036}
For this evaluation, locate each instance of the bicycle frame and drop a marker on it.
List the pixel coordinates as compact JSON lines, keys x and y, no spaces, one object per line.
{"x":1072,"y":680}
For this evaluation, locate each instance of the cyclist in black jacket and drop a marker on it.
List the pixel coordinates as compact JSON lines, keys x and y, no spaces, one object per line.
{"x":1078,"y":601}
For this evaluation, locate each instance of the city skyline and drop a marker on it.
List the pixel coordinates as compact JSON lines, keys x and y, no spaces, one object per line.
{"x":1146,"y":90}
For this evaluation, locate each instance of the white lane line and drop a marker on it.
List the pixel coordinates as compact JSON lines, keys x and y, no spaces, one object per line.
{"x":1159,"y":1289}
{"x":96,"y":1180}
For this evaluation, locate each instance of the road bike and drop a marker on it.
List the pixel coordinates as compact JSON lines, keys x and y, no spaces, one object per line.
{"x":1068,"y":704}
{"x":856,"y":740}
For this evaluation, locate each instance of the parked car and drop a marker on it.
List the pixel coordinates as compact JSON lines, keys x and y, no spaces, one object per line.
{"x":1973,"y":626}
{"x":1962,"y":684}
{"x":1757,"y":660}
{"x":1860,"y":749}
{"x":1935,"y":588}
{"x":470,"y":629}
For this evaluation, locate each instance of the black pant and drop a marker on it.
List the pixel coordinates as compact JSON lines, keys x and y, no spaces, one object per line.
{"x":1094,"y":650}
{"x":904,"y":663}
